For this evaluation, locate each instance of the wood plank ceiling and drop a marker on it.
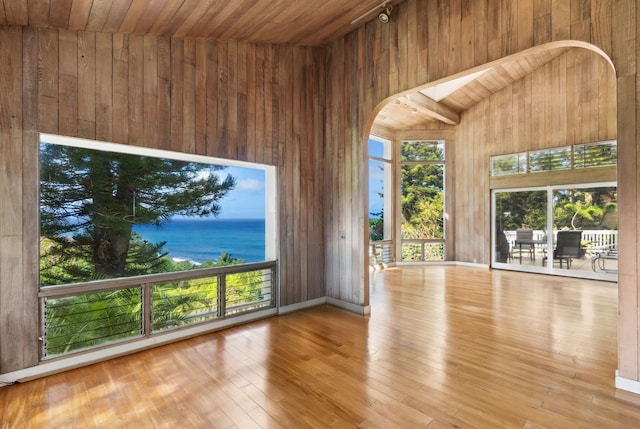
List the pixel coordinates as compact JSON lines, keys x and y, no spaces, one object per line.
{"x":299,"y":22}
{"x":444,"y":100}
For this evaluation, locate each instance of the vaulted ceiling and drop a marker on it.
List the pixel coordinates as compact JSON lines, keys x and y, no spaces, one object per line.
{"x":446,"y":99}
{"x":292,"y":22}
{"x":288,"y":22}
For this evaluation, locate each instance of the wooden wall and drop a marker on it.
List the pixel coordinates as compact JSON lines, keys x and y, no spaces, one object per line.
{"x":568,"y":101}
{"x":428,"y":40}
{"x":304,"y":110}
{"x":260,"y":103}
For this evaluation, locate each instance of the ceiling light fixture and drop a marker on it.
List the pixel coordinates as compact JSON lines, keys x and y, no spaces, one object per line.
{"x":386,"y":11}
{"x":385,"y":15}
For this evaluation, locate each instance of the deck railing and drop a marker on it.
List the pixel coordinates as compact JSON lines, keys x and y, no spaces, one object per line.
{"x":591,"y":239}
{"x":423,"y":250}
{"x":413,"y":250}
{"x":79,"y":316}
{"x":380,"y":253}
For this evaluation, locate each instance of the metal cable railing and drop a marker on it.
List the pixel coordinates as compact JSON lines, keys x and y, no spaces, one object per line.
{"x":423,"y":250}
{"x":80,"y":316}
{"x":380,"y":252}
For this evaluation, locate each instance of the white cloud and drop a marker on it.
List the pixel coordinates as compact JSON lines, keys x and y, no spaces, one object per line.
{"x":249,"y":185}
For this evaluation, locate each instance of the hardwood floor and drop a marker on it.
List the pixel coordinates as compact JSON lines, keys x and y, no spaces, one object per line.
{"x":444,"y":347}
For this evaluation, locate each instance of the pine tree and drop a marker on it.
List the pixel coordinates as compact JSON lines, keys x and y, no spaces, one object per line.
{"x":90,"y":200}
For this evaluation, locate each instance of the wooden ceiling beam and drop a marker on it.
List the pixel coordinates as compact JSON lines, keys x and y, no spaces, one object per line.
{"x":432,"y":108}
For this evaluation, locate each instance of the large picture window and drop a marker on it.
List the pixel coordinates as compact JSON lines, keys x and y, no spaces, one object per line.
{"x":406,"y":201}
{"x":111,"y":212}
{"x":422,"y":200}
{"x":568,"y":230}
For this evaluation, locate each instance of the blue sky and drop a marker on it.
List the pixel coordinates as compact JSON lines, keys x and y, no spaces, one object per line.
{"x":247,"y":199}
{"x":376,"y":177}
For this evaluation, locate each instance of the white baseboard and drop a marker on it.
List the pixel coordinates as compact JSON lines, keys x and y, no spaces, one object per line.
{"x":442,"y":263}
{"x":627,"y":384}
{"x":354,"y":308}
{"x":472,"y":264}
{"x":424,"y":264}
{"x":302,"y":305}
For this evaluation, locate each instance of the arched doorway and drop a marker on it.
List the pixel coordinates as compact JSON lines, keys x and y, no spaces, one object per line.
{"x":557,"y":94}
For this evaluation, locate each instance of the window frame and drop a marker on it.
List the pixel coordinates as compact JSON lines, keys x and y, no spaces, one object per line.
{"x":266,"y":306}
{"x":572,"y":162}
{"x":422,"y":244}
{"x":271,"y":194}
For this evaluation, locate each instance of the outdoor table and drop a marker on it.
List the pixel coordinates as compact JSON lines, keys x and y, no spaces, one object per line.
{"x":528,"y":242}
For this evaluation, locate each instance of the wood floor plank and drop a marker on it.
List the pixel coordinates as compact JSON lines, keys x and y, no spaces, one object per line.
{"x":444,"y":347}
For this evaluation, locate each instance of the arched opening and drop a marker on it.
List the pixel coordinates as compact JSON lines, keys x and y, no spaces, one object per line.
{"x":561,"y":94}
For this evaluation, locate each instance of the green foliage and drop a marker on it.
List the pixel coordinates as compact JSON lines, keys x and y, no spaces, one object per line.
{"x":422,"y":185}
{"x":585,"y":208}
{"x":514,"y":163}
{"x":180,"y":303}
{"x":87,"y":320}
{"x":376,"y":227}
{"x":61,"y":264}
{"x":428,"y":219}
{"x":243,"y":288}
{"x":92,"y":319}
{"x":520,"y":209}
{"x":422,"y":151}
{"x":422,"y":190}
{"x":423,"y":252}
{"x":550,"y":159}
{"x":148,"y":258}
{"x":90,"y":200}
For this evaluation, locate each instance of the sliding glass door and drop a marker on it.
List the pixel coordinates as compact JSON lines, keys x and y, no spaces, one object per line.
{"x":564,"y":230}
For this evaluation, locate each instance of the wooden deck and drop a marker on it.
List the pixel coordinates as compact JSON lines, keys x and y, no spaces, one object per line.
{"x":444,"y":347}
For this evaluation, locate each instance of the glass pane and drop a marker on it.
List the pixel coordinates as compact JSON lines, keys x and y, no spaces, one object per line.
{"x":422,"y":200}
{"x":109,"y":214}
{"x":79,"y":322}
{"x":379,"y":149}
{"x":521,"y":219}
{"x":596,"y":154}
{"x":421,"y":251}
{"x":376,"y":200}
{"x":589,"y":217}
{"x":185,"y":302}
{"x":515,"y":163}
{"x":550,"y":159}
{"x":380,"y":253}
{"x":248,"y":291}
{"x":422,"y":151}
{"x":583,"y":238}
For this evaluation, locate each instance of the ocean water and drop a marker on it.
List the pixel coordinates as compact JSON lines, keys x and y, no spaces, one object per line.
{"x":200,"y":239}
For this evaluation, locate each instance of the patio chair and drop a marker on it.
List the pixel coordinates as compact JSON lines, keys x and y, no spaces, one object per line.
{"x":524,"y":241}
{"x":609,"y":253}
{"x":568,"y":247}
